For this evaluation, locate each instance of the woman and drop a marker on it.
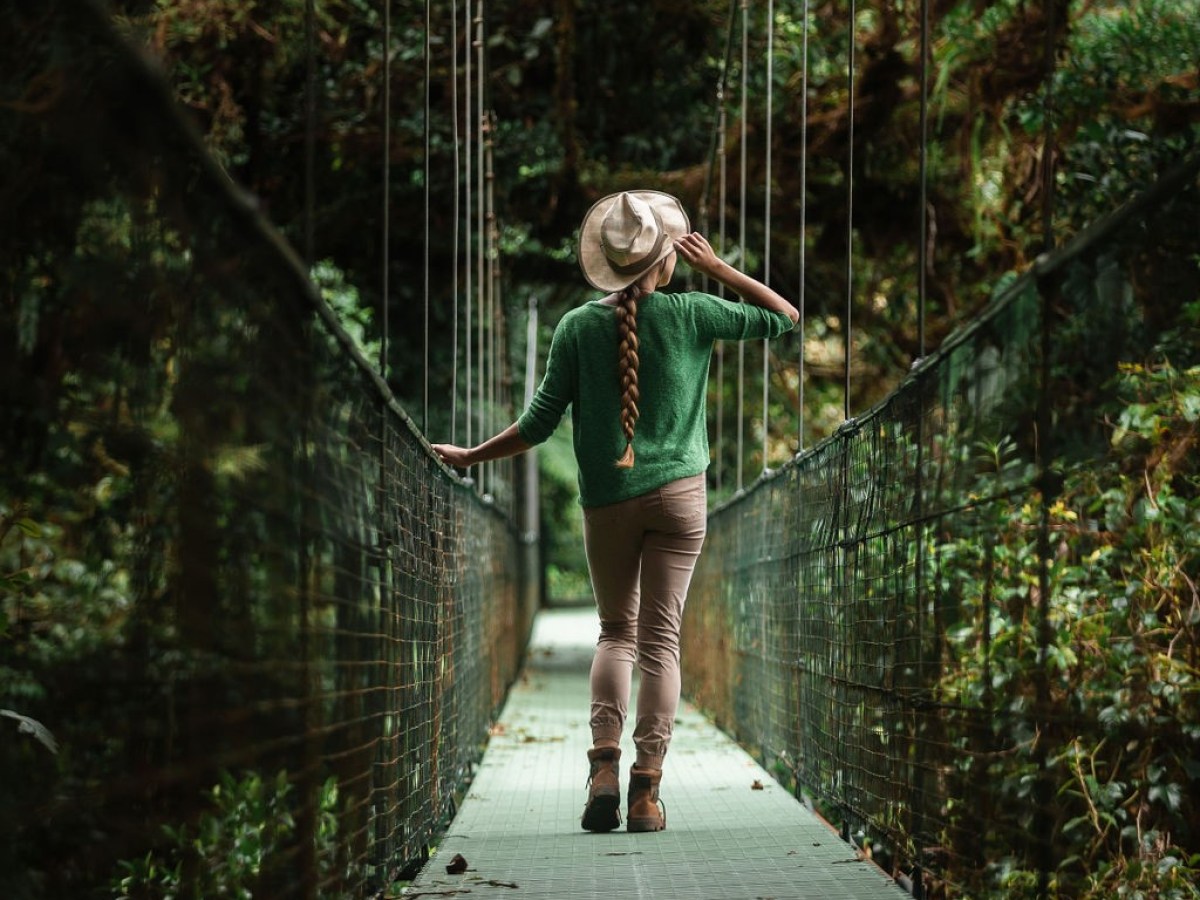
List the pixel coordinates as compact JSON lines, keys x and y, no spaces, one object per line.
{"x":633,"y":367}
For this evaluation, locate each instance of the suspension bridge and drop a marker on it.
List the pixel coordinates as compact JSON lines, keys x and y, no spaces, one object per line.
{"x":333,"y":678}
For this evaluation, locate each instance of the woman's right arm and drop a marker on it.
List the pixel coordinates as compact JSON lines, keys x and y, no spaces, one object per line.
{"x":505,"y":444}
{"x":695,"y":250}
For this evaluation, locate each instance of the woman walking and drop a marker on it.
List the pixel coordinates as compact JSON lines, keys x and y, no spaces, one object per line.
{"x":633,"y":368}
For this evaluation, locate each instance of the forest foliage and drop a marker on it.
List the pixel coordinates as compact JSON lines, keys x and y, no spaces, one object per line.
{"x":590,"y":98}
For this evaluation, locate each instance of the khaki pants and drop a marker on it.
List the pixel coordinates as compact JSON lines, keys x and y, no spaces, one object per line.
{"x":641,"y":554}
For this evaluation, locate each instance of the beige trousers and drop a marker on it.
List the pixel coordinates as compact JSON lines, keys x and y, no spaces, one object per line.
{"x":641,"y":554}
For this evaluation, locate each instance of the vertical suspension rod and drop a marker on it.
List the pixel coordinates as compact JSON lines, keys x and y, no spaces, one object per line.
{"x":923,"y":248}
{"x":803,"y":224}
{"x":468,"y":152}
{"x":744,"y":133}
{"x":387,"y":186}
{"x":425,"y":250}
{"x":766,"y":352}
{"x":847,"y":325}
{"x":455,"y":235}
{"x":481,"y":249}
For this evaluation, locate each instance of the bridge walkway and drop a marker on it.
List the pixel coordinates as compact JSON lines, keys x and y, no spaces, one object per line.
{"x":732,"y":831}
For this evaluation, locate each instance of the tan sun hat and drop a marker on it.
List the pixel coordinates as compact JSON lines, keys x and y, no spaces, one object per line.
{"x":624,"y":235}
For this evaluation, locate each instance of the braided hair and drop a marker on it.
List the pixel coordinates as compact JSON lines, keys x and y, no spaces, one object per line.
{"x":627,"y":367}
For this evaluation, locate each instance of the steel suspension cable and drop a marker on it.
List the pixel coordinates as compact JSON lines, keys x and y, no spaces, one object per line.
{"x":741,"y":367}
{"x":1042,"y":825}
{"x":923,"y":248}
{"x":481,"y":236}
{"x":723,"y":198}
{"x":387,"y":185}
{"x":803,"y":219}
{"x":847,"y":325}
{"x":716,"y":143}
{"x":454,"y":236}
{"x":717,"y":156}
{"x":310,"y":127}
{"x":428,"y":171}
{"x":468,"y":147}
{"x":766,"y":353}
{"x":492,"y":297}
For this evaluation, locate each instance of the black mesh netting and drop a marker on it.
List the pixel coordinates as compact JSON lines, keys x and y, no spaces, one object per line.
{"x":265,"y":629}
{"x":896,"y":621}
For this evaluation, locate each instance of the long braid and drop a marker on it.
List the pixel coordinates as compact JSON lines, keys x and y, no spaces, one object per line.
{"x":627,"y":368}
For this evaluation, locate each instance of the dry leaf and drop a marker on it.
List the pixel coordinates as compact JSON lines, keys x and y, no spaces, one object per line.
{"x":458,"y":865}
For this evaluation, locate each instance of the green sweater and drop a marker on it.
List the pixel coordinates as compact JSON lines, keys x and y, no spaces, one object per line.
{"x":676,"y":333}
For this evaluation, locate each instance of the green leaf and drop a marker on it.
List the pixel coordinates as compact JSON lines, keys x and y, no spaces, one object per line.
{"x":29,"y":527}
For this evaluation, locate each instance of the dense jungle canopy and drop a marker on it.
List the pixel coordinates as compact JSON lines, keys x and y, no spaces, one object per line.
{"x":583,"y":99}
{"x":591,"y":98}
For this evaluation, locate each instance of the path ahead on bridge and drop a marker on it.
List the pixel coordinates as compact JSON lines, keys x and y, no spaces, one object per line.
{"x":518,"y":828}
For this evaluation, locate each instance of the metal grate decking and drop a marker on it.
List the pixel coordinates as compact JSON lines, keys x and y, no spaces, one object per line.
{"x":518,"y":827}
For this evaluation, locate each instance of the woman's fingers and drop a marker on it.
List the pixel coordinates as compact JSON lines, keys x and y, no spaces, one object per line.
{"x":695,"y":249}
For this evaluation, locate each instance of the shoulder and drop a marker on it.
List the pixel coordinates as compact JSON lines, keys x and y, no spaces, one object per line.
{"x":576,"y":318}
{"x":685,"y":303}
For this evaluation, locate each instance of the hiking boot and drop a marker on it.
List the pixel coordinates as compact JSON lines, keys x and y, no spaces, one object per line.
{"x":646,"y":811}
{"x":603,"y":809}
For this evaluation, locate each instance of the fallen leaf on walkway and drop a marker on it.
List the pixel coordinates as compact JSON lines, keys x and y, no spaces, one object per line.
{"x":498,"y":729}
{"x":458,"y":865}
{"x":757,"y":786}
{"x":507,"y":884}
{"x":625,"y":853}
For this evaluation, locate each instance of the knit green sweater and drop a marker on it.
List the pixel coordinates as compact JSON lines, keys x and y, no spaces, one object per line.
{"x":676,"y":333}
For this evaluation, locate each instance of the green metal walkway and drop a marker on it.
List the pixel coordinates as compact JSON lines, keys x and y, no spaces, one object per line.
{"x":732,"y":831}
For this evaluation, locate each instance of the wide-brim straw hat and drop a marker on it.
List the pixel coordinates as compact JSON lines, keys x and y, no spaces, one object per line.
{"x":626,"y":234}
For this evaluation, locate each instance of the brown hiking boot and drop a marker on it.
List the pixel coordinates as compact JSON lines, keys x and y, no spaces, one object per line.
{"x":646,"y":811}
{"x":603,"y":810}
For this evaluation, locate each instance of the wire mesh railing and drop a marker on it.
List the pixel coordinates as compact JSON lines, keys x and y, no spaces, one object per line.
{"x":890,"y":621}
{"x":253,"y":633}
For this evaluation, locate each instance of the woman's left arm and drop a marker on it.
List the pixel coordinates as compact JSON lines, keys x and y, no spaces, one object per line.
{"x":503,"y":445}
